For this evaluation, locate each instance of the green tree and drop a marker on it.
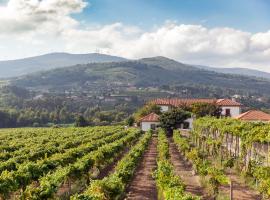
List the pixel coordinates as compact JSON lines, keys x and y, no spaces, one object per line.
{"x":80,"y":121}
{"x":130,"y":121}
{"x":205,"y":109}
{"x":172,"y":119}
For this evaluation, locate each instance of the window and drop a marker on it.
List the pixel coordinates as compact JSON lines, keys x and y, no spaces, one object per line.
{"x":228,"y":112}
{"x":186,"y":125}
{"x":153,"y":126}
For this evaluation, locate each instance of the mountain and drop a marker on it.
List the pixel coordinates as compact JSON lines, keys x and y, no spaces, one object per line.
{"x":148,"y":72}
{"x":238,"y":71}
{"x":13,"y":68}
{"x":167,"y":63}
{"x":25,"y":66}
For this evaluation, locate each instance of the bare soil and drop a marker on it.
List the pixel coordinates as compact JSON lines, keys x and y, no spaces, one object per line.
{"x":184,"y":170}
{"x":111,"y":167}
{"x":240,"y":190}
{"x":66,"y":188}
{"x":143,"y":186}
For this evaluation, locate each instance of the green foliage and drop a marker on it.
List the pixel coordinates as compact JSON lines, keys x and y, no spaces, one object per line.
{"x":205,"y":109}
{"x":99,"y":158}
{"x":22,"y":108}
{"x":80,"y":122}
{"x":215,"y":176}
{"x":55,"y":155}
{"x":145,"y":73}
{"x":130,"y":121}
{"x":172,"y":119}
{"x":170,"y":185}
{"x":181,"y":142}
{"x":216,"y":179}
{"x":113,"y":186}
{"x":211,"y":132}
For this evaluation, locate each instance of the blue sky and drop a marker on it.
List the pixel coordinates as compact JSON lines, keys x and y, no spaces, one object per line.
{"x":247,"y":15}
{"x":220,"y":33}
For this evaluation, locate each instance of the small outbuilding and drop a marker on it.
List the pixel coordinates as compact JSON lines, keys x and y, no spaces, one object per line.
{"x":149,"y":122}
{"x":254,"y":116}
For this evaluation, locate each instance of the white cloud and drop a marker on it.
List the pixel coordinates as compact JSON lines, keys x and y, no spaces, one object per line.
{"x":31,"y":27}
{"x":51,"y":16}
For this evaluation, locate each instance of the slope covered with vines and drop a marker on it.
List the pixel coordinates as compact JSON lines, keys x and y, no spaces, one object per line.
{"x":238,"y":144}
{"x":63,"y":153}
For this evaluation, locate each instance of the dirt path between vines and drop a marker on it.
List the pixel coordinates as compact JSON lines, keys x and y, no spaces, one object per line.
{"x":184,"y":170}
{"x":65,"y":189}
{"x":240,"y":190}
{"x":143,"y":186}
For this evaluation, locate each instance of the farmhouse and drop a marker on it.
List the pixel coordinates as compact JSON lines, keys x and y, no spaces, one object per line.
{"x":254,"y":116}
{"x":230,"y":108}
{"x":150,"y":121}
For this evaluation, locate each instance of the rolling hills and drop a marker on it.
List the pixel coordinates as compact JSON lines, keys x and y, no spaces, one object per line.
{"x":238,"y":71}
{"x":148,"y":72}
{"x":13,"y":68}
{"x":25,"y":66}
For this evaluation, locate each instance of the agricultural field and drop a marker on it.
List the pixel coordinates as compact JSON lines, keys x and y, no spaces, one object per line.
{"x":104,"y":163}
{"x":55,"y":163}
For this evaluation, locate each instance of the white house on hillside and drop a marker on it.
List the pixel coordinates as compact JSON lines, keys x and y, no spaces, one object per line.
{"x":230,"y":108}
{"x":150,"y":121}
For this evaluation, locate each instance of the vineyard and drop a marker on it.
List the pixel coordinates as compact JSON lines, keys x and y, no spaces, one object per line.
{"x":103,"y":163}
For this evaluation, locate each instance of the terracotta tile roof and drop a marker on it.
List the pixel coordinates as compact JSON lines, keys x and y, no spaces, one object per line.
{"x":254,"y":115}
{"x":227,"y":102}
{"x":152,"y":117}
{"x":161,"y":101}
{"x":188,"y":102}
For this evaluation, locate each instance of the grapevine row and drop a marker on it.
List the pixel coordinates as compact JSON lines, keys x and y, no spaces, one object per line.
{"x":169,"y":185}
{"x":50,"y":183}
{"x":29,"y":171}
{"x":114,"y":185}
{"x":67,"y":145}
{"x":212,"y":174}
{"x":243,"y":145}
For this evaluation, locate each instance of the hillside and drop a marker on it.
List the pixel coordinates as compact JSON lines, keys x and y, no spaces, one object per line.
{"x":238,"y":71}
{"x":153,"y":72}
{"x":14,"y":68}
{"x":25,"y":66}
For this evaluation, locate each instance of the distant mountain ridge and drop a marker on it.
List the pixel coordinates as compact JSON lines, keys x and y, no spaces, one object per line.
{"x":148,"y":72}
{"x":238,"y":71}
{"x":12,"y":68}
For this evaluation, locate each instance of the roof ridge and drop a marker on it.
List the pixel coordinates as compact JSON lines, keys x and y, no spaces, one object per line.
{"x":254,"y":115}
{"x":150,"y":114}
{"x":243,"y":114}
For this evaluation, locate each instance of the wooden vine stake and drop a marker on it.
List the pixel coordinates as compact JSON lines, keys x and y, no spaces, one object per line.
{"x":231,"y":190}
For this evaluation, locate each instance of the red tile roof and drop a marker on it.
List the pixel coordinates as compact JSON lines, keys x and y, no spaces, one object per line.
{"x":152,"y":117}
{"x":254,"y":115}
{"x":227,"y":102}
{"x":188,"y":102}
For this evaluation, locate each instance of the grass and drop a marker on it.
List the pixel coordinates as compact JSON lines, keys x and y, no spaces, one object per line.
{"x":222,"y":196}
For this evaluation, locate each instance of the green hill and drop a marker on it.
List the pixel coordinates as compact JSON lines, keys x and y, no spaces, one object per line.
{"x":148,"y":72}
{"x":12,"y":68}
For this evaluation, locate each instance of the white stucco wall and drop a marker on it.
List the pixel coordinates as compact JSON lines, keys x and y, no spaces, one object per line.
{"x":164,"y":108}
{"x":190,"y":121}
{"x":146,"y":126}
{"x":235,"y":111}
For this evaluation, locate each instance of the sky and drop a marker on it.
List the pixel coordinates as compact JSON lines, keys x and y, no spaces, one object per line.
{"x":218,"y":33}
